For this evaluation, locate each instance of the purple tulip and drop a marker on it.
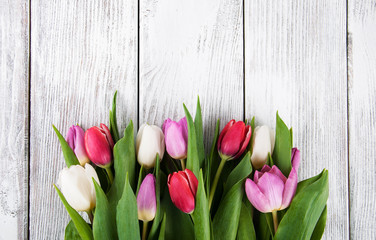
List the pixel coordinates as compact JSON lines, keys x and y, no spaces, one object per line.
{"x":270,"y":190}
{"x":75,"y":139}
{"x":146,"y":201}
{"x":295,"y":158}
{"x":176,"y":137}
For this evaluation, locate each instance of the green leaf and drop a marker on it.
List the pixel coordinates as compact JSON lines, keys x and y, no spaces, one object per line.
{"x":163,"y":227}
{"x":69,"y":156}
{"x":246,"y":230}
{"x":226,"y":220}
{"x":240,"y":172}
{"x":214,"y":159}
{"x":249,"y":147}
{"x":126,"y":214}
{"x":305,"y":210}
{"x":307,"y":182}
{"x":103,"y":178}
{"x":283,"y":145}
{"x":262,"y":227}
{"x":104,"y":226}
{"x":193,"y":161}
{"x":269,"y":221}
{"x":320,"y":226}
{"x":82,"y":227}
{"x":124,"y":161}
{"x":199,"y":134}
{"x":158,"y":215}
{"x":113,"y":122}
{"x":201,"y":212}
{"x":178,"y":224}
{"x":71,"y":232}
{"x":141,"y":176}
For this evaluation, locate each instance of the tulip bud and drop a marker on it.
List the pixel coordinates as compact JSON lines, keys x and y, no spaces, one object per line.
{"x":146,"y":201}
{"x":270,"y":190}
{"x":149,"y":142}
{"x":182,"y":186}
{"x":176,"y":138}
{"x":77,"y":186}
{"x":262,"y":145}
{"x":295,"y":158}
{"x":99,"y":145}
{"x":233,"y":140}
{"x":75,"y":139}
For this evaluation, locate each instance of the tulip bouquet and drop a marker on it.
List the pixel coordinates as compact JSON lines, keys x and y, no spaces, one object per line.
{"x":244,"y":187}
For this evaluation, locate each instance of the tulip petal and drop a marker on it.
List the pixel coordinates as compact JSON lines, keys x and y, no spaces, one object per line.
{"x":146,"y":200}
{"x":272,"y":187}
{"x":98,"y":147}
{"x":150,"y":141}
{"x":192,"y":180}
{"x":223,"y":132}
{"x":248,"y":131}
{"x":139,"y":136}
{"x":261,"y":146}
{"x":183,"y":123}
{"x":256,"y":197}
{"x":176,"y":144}
{"x":233,"y":139}
{"x":295,"y":158}
{"x":181,"y":193}
{"x":275,"y":171}
{"x":71,"y":136}
{"x":107,"y":132}
{"x":265,"y":168}
{"x":290,"y":188}
{"x":257,"y":176}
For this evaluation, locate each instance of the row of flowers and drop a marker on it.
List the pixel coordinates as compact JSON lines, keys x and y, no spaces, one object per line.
{"x":268,"y":188}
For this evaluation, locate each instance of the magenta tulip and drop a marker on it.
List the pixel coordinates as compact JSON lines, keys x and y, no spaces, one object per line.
{"x":75,"y":139}
{"x":99,"y":145}
{"x":295,"y":158}
{"x":146,"y":201}
{"x":233,"y":140}
{"x":182,"y":186}
{"x":176,"y":138}
{"x":270,"y":190}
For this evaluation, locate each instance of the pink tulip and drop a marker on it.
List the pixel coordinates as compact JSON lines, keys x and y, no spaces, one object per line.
{"x":233,"y":140}
{"x":176,"y":138}
{"x":182,"y":186}
{"x":146,"y":201}
{"x":99,"y":145}
{"x":75,"y":139}
{"x":270,"y":190}
{"x":295,"y":158}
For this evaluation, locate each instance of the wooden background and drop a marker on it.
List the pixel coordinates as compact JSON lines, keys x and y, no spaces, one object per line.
{"x":313,"y":60}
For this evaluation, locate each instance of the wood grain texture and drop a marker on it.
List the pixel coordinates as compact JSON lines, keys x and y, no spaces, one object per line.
{"x":295,"y":62}
{"x":82,"y":51}
{"x":190,"y":48}
{"x":362,"y":117}
{"x":14,"y":91}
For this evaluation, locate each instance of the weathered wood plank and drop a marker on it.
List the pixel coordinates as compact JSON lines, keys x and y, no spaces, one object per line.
{"x":190,"y":48}
{"x":362,"y":117}
{"x":295,"y":62}
{"x":14,"y":92}
{"x":82,"y":51}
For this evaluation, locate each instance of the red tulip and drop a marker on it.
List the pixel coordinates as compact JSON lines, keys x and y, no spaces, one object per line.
{"x":233,"y":140}
{"x":182,"y":186}
{"x":99,"y":145}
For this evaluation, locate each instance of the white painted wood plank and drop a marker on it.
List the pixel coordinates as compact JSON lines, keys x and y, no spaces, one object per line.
{"x":295,"y":62}
{"x":362,"y":117}
{"x":190,"y":48}
{"x":14,"y":91}
{"x":82,"y":51}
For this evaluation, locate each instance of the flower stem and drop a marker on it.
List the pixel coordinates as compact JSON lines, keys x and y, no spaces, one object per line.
{"x":275,"y":221}
{"x":110,"y":175}
{"x":182,"y":164}
{"x":144,"y":230}
{"x":215,"y":182}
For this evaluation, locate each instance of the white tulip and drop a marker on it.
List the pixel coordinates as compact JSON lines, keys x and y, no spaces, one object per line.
{"x":149,"y":142}
{"x":77,"y":186}
{"x":262,"y":144}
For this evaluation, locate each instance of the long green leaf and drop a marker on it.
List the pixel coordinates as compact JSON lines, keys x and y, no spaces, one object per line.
{"x":69,"y":156}
{"x":199,"y":134}
{"x":126,"y":214}
{"x":241,"y":171}
{"x":305,"y":211}
{"x":163,"y":229}
{"x":82,"y":227}
{"x":226,"y":220}
{"x":262,"y":227}
{"x":113,"y":122}
{"x":153,"y":234}
{"x":193,"y":161}
{"x":124,"y":161}
{"x":283,"y":145}
{"x":246,"y":230}
{"x":71,"y":232}
{"x":104,"y":226}
{"x":320,"y":226}
{"x":213,"y":159}
{"x":201,"y":212}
